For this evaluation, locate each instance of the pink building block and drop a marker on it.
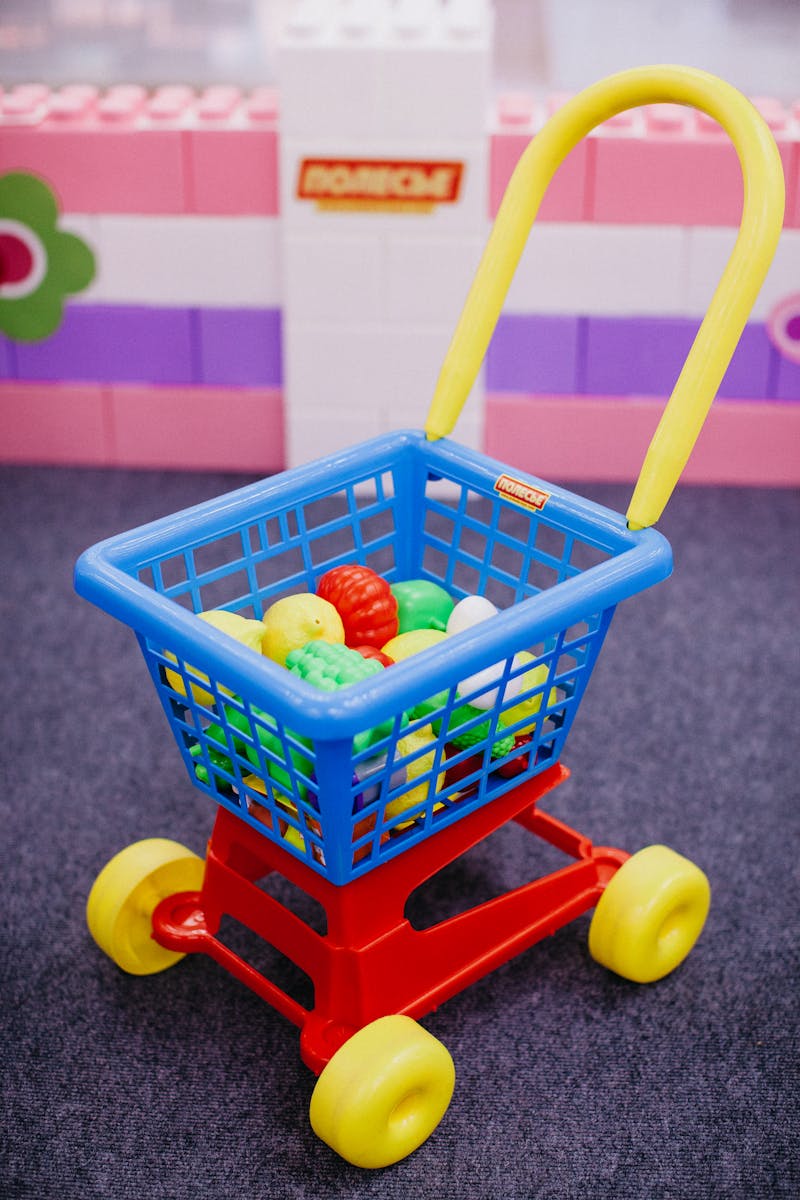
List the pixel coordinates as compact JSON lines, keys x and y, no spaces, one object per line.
{"x":198,"y":428}
{"x":55,"y":423}
{"x":233,"y":152}
{"x":682,"y":169}
{"x":604,"y":439}
{"x":129,"y":151}
{"x":97,"y":158}
{"x":566,"y":197}
{"x":793,"y":175}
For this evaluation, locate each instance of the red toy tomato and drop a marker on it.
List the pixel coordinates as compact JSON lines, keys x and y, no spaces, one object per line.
{"x":374,"y":652}
{"x":365,"y":603}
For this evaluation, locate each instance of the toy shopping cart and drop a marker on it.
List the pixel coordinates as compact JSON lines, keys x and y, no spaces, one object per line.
{"x":358,"y":795}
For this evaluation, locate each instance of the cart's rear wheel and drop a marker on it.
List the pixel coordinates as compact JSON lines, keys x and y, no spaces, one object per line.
{"x":650,"y":915}
{"x":125,"y":895}
{"x":383,"y":1093}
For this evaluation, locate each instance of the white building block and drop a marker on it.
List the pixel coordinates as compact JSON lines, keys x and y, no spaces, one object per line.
{"x":428,"y":277}
{"x":709,"y":250}
{"x":328,"y":70}
{"x":601,"y":270}
{"x":338,"y":279}
{"x":374,"y":378}
{"x":387,"y":68}
{"x":314,"y":432}
{"x":191,"y":260}
{"x":332,"y":210}
{"x":436,"y":70}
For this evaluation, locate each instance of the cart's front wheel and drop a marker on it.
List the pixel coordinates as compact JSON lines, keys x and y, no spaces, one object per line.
{"x":127,"y":892}
{"x":383,"y":1093}
{"x":650,"y":915}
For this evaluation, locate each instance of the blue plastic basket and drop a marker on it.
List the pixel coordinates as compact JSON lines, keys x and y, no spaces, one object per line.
{"x":292,"y":761}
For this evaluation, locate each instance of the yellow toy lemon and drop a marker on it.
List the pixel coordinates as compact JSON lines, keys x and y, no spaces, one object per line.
{"x":248,"y":632}
{"x":423,"y":739}
{"x":412,"y":642}
{"x":294,"y":621}
{"x":528,"y":709}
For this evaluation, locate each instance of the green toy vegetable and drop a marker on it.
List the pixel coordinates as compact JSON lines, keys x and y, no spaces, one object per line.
{"x":219,"y":757}
{"x":503,"y":743}
{"x":421,"y":604}
{"x":330,"y":666}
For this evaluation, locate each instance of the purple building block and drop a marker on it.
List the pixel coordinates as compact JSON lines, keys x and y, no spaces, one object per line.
{"x":748,"y":377}
{"x":8,"y":358}
{"x":787,"y":376}
{"x":120,"y":343}
{"x":536,"y":354}
{"x":240,"y":346}
{"x":636,"y":356}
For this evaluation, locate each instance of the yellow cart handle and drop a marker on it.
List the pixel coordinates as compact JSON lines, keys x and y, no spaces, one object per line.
{"x":719,"y":333}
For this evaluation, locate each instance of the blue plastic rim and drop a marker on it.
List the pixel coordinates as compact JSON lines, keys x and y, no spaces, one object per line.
{"x":348,"y":779}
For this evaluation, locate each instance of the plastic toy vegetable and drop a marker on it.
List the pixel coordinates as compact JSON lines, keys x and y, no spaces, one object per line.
{"x":364,"y":601}
{"x":469,"y":612}
{"x":421,"y":604}
{"x":374,"y":652}
{"x":464,"y":735}
{"x":329,"y":667}
{"x":219,"y":754}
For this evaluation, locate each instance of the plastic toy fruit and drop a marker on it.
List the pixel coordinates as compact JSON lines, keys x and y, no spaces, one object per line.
{"x":412,"y":642}
{"x":364,"y":601}
{"x":469,"y":612}
{"x":422,"y":604}
{"x":294,"y":621}
{"x":483,"y":682}
{"x":527,"y":710}
{"x":248,"y":632}
{"x":422,"y":744}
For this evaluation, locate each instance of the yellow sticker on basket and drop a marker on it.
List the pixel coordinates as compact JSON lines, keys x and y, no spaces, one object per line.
{"x":519,"y":492}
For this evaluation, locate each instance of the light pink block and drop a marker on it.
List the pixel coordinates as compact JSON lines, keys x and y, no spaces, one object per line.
{"x":198,"y":428}
{"x":233,"y":171}
{"x":669,"y":174}
{"x":565,"y":199}
{"x":96,"y":166}
{"x":43,"y":423}
{"x":792,"y":220}
{"x":125,"y":151}
{"x":605,"y":439}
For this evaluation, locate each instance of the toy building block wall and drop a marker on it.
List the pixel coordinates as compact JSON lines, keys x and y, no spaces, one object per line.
{"x":626,"y":253}
{"x":175,"y":348}
{"x":383,"y":160}
{"x":279,"y":271}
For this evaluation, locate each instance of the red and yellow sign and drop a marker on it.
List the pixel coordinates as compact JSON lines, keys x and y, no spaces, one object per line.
{"x":519,"y":492}
{"x":378,"y":184}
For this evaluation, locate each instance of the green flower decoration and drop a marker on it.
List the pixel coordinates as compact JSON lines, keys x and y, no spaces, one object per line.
{"x":40,"y":264}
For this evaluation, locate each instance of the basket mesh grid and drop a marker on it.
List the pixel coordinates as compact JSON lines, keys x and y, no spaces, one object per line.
{"x":444,"y":746}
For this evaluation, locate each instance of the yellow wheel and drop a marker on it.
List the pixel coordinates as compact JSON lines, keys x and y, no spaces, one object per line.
{"x":383,"y":1093}
{"x":650,"y":915}
{"x":125,"y":895}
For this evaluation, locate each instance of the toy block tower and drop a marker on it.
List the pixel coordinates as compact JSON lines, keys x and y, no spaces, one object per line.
{"x":384,"y":185}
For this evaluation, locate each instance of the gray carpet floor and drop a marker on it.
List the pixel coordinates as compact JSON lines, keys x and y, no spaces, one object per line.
{"x":570,"y":1081}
